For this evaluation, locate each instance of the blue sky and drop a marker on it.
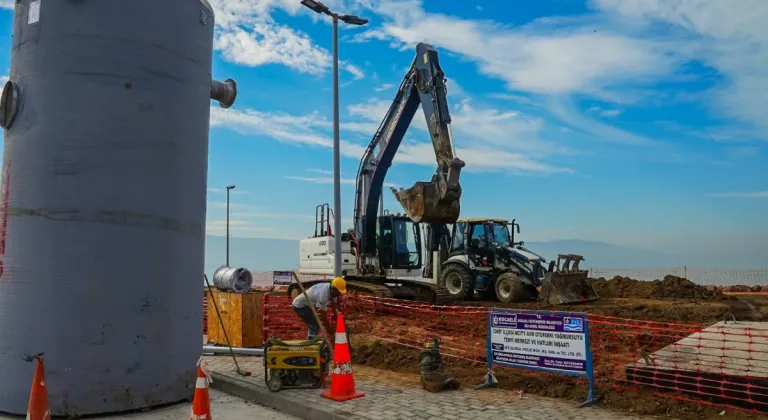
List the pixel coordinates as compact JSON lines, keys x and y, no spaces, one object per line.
{"x":639,"y":123}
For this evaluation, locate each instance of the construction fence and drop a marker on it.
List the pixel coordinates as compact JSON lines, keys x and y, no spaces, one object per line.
{"x":698,"y":275}
{"x":724,"y":364}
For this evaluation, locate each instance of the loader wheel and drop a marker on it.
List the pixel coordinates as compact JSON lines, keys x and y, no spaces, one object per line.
{"x":509,"y":288}
{"x":459,"y":281}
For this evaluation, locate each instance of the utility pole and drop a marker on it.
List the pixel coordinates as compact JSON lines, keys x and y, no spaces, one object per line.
{"x":229,"y":187}
{"x":319,"y":7}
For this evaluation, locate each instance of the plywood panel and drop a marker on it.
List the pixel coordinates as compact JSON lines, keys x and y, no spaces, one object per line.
{"x":242,"y":315}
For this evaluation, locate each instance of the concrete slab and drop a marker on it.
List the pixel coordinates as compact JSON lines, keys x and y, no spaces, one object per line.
{"x":726,"y":362}
{"x":223,"y":407}
{"x":394,"y":396}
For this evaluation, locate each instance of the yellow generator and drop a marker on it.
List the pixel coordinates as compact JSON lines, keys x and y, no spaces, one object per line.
{"x":295,"y":363}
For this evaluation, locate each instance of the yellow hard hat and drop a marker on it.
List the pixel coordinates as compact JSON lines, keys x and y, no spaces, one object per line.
{"x":340,"y":285}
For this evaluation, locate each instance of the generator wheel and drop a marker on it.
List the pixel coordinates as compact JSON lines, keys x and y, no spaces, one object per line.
{"x":458,"y":280}
{"x":509,"y":288}
{"x":275,"y":382}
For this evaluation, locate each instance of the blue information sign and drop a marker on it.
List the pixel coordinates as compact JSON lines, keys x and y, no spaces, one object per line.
{"x":282,"y":277}
{"x":555,"y":342}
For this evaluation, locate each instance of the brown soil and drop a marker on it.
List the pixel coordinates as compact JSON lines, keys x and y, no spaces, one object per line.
{"x":670,"y":300}
{"x":671,"y":288}
{"x":378,"y":354}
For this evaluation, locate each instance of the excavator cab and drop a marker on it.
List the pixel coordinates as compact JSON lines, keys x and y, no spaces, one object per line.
{"x":399,"y":243}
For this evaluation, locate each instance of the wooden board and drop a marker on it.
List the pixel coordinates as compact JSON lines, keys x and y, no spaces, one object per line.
{"x":242,"y":315}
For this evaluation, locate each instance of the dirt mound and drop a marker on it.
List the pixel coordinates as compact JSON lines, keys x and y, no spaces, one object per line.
{"x":671,"y":288}
{"x":394,"y":357}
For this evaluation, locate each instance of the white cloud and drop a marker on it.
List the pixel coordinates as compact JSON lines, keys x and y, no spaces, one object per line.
{"x":731,"y":36}
{"x":271,"y":43}
{"x":563,"y":109}
{"x":224,"y":190}
{"x":356,"y":72}
{"x":7,"y":4}
{"x":329,"y":180}
{"x":481,"y":127}
{"x":486,"y":139}
{"x":753,"y":194}
{"x":320,"y":171}
{"x":605,"y":112}
{"x":248,"y":35}
{"x":550,"y":55}
{"x":3,"y":78}
{"x":385,"y":86}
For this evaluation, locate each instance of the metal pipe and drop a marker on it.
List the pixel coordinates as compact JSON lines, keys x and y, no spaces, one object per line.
{"x":225,"y":92}
{"x":240,"y":351}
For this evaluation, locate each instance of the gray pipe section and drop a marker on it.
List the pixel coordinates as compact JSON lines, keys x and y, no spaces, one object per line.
{"x":238,"y":280}
{"x":238,"y":351}
{"x":225,"y":92}
{"x":103,"y":208}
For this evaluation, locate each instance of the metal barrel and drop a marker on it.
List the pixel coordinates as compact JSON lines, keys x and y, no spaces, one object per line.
{"x":102,"y":219}
{"x":238,"y":280}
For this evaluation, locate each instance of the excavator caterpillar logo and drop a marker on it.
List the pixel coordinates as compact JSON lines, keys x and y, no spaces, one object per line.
{"x":426,"y":58}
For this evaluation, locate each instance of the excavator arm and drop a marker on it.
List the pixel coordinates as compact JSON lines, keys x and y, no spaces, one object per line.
{"x":434,"y":202}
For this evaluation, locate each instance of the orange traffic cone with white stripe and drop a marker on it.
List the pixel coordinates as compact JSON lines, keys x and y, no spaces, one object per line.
{"x":201,"y":403}
{"x":342,"y":380}
{"x":39,"y":408}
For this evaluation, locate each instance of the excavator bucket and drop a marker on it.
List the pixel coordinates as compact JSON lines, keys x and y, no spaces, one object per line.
{"x":565,"y":283}
{"x":422,"y":203}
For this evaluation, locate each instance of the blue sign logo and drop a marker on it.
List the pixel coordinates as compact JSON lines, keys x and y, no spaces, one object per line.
{"x":504,"y":320}
{"x":573,"y":324}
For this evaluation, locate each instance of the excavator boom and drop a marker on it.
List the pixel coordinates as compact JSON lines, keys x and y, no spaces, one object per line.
{"x":435,"y":201}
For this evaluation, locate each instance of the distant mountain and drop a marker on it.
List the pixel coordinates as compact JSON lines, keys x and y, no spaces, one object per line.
{"x":605,"y":255}
{"x":260,"y":254}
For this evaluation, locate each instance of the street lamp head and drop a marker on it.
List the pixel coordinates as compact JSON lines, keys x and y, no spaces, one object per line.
{"x":316,"y":6}
{"x":353,"y":20}
{"x":230,"y":187}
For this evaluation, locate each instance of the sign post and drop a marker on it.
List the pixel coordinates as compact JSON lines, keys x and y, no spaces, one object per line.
{"x":555,"y":342}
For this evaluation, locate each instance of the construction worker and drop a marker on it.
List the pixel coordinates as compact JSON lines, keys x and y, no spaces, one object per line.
{"x":320,"y":295}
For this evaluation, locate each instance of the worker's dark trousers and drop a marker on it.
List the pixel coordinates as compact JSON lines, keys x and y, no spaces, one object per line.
{"x":306,"y":315}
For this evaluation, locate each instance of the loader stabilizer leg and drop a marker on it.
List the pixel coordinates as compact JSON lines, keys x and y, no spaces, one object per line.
{"x":565,"y":283}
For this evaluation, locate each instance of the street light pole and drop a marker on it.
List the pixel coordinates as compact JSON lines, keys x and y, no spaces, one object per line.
{"x":319,"y":7}
{"x":336,"y":154}
{"x":229,"y":187}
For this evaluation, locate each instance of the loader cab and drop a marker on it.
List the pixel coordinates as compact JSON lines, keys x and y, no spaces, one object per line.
{"x":480,"y":234}
{"x":399,"y":242}
{"x":478,"y":238}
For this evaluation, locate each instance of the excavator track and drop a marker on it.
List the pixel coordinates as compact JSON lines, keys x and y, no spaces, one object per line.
{"x":428,"y":292}
{"x":376,"y":287}
{"x":372,"y":289}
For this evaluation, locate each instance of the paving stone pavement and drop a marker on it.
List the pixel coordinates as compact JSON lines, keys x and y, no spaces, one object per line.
{"x":396,"y":396}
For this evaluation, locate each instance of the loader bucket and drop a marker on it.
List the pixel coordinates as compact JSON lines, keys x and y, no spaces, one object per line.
{"x":566,"y":284}
{"x":422,"y":203}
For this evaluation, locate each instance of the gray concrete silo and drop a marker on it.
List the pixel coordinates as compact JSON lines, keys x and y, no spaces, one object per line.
{"x":102,"y":218}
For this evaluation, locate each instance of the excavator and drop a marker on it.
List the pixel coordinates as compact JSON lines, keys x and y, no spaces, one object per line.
{"x":383,"y":254}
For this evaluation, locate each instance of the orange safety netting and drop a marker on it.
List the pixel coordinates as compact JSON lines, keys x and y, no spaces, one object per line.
{"x":725,"y":363}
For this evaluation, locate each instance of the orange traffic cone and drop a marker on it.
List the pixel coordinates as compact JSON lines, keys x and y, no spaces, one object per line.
{"x":39,"y":408}
{"x":342,"y":380}
{"x":201,"y":402}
